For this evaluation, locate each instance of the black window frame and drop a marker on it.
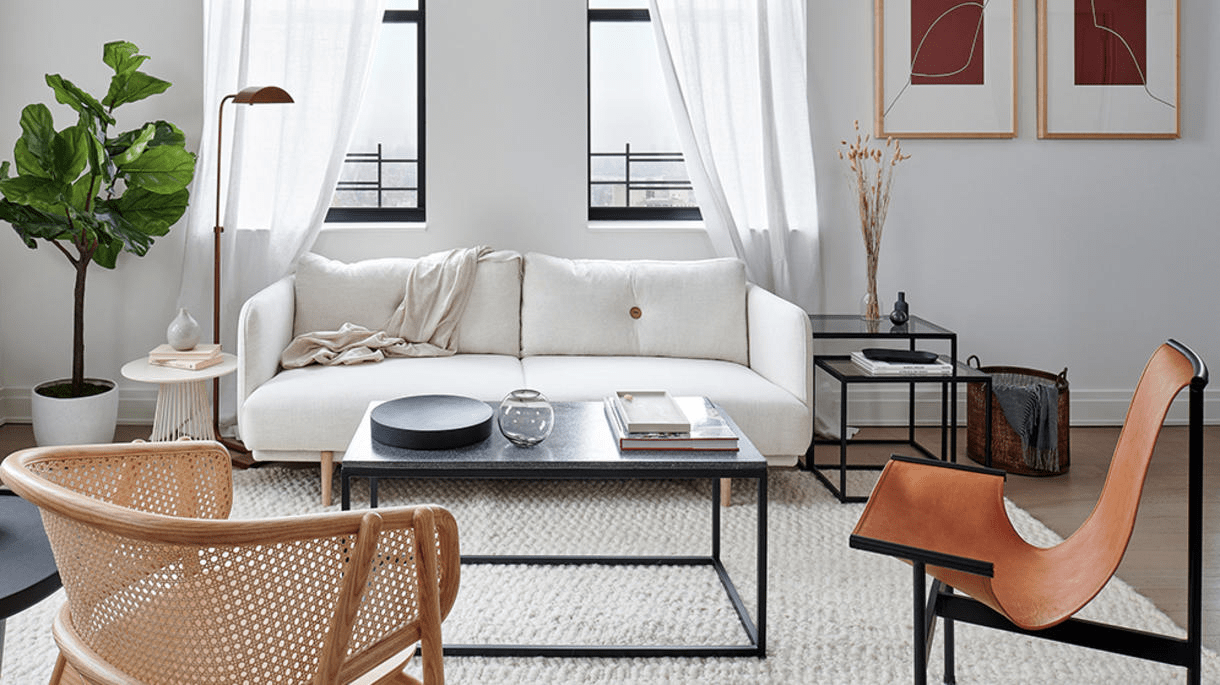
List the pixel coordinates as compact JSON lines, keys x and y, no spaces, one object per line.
{"x":399,"y":214}
{"x":620,"y":213}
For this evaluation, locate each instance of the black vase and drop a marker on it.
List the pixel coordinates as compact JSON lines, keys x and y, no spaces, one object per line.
{"x":901,"y":313}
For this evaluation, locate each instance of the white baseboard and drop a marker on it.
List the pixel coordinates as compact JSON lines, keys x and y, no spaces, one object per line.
{"x":887,"y":406}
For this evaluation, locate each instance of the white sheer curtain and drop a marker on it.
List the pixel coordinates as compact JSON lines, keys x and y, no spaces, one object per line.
{"x":281,"y":161}
{"x":736,"y":76}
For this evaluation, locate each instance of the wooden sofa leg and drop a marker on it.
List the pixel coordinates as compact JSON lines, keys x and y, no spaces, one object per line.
{"x":726,"y":488}
{"x":328,"y":470}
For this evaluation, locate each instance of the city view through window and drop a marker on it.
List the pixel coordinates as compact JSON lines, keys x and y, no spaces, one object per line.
{"x":635,"y":158}
{"x":382,"y":168}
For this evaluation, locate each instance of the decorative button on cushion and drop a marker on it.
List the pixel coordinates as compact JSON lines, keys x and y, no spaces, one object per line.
{"x":635,"y":312}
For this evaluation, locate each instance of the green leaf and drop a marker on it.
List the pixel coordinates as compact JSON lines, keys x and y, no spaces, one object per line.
{"x":27,"y":163}
{"x":32,"y":224}
{"x":122,"y":56}
{"x":164,"y":169}
{"x":40,"y":193}
{"x":67,"y":93}
{"x":107,"y":252}
{"x":125,"y":88}
{"x":99,"y":162}
{"x":33,"y":151}
{"x":151,"y":213}
{"x":83,"y":191}
{"x":166,"y":134}
{"x":3,"y":170}
{"x":136,"y":148}
{"x":71,"y":150}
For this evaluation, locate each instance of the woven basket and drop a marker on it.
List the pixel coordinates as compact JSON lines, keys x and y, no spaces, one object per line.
{"x":1006,"y":450}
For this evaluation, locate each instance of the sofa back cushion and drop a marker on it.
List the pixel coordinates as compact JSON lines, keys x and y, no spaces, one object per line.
{"x":694,"y":309}
{"x":330,"y":293}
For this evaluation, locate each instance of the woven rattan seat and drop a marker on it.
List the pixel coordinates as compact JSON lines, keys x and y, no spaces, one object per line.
{"x":161,"y":588}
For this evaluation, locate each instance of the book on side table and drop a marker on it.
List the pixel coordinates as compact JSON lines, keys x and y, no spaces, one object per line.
{"x":707,"y":428}
{"x":940,"y":367}
{"x":198,"y":357}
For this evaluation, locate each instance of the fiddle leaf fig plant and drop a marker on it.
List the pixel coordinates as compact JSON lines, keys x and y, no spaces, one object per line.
{"x":93,"y":193}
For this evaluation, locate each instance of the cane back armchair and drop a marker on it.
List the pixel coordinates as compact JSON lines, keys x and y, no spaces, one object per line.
{"x":161,"y":588}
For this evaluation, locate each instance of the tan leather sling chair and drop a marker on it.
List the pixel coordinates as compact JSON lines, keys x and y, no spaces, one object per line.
{"x":948,"y":520}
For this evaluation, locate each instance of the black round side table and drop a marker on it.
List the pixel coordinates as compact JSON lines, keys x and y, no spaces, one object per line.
{"x":27,"y":568}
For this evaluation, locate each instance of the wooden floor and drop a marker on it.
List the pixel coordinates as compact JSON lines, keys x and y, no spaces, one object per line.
{"x":1155,"y":563}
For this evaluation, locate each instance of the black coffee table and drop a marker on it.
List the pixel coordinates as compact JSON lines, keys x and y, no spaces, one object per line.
{"x":27,"y":568}
{"x":581,"y":448}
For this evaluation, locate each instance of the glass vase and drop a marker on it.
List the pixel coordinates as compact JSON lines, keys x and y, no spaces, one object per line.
{"x":525,"y":417}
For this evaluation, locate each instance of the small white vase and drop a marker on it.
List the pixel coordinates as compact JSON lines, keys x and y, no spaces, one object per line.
{"x":183,"y":331}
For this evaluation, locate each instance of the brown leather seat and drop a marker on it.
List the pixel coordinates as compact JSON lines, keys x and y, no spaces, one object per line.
{"x":949,"y":521}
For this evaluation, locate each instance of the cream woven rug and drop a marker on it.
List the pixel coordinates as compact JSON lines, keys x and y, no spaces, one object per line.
{"x":834,"y":614}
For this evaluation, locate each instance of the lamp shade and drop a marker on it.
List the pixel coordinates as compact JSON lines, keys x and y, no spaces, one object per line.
{"x":257,"y":95}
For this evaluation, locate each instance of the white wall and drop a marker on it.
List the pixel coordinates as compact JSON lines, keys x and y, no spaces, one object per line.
{"x":1040,"y":253}
{"x":1083,"y":254}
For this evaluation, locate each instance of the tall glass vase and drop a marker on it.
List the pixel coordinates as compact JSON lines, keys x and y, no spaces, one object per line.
{"x":870,"y":307}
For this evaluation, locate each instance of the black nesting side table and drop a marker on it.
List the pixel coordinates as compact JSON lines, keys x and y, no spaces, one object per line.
{"x":840,"y":368}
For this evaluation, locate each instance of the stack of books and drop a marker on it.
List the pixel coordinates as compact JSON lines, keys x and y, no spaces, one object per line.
{"x":656,"y":421}
{"x":940,"y":367}
{"x":198,"y":357}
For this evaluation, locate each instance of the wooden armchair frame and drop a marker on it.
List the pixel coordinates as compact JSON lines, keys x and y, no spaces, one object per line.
{"x":949,"y":521}
{"x":161,"y":588}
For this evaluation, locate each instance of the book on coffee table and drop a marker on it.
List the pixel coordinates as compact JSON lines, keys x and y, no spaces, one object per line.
{"x":708,"y":429}
{"x":648,"y":411}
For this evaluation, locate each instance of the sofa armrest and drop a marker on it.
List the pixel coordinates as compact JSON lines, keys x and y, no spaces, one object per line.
{"x":264,"y":329}
{"x":780,"y":342}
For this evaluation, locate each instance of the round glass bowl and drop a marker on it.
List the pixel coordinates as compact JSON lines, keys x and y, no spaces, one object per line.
{"x":525,"y":417}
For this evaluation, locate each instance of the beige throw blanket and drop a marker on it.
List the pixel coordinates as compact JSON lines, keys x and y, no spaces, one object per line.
{"x":424,"y":325}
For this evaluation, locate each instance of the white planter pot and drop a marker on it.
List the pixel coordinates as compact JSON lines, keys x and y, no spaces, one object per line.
{"x":77,"y":420}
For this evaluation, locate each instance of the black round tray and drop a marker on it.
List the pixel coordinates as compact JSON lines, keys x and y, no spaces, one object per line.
{"x":431,"y":422}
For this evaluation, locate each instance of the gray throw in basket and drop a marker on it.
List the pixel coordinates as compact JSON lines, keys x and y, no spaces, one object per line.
{"x":1029,"y":420}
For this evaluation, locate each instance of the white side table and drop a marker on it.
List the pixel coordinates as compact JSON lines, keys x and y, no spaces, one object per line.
{"x":184,"y":407}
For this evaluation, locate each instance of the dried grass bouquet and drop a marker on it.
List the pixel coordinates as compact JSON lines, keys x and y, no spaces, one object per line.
{"x":872,"y":175}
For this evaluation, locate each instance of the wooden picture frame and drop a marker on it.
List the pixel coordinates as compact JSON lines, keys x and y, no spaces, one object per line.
{"x":945,"y":68}
{"x":1109,"y":68}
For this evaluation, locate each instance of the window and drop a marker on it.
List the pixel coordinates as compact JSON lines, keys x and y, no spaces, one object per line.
{"x":383,"y":175}
{"x":636,"y":169}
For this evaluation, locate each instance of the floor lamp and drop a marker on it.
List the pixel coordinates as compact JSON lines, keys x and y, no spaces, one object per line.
{"x":256,"y":95}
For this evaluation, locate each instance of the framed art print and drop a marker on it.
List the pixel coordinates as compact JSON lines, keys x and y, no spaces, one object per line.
{"x":1108,"y":69}
{"x":945,"y":68}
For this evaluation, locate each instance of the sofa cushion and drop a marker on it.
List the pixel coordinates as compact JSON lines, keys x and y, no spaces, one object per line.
{"x":330,"y":293}
{"x":774,"y":419}
{"x":690,"y":309}
{"x":318,"y":407}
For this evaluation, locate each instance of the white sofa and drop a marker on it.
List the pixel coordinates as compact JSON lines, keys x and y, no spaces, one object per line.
{"x":573,"y":329}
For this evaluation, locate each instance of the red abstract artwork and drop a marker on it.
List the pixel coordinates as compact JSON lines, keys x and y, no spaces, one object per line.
{"x":947,"y":42}
{"x":1111,"y":42}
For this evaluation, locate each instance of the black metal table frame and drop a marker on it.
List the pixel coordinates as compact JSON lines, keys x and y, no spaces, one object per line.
{"x":755,"y":632}
{"x":948,"y":423}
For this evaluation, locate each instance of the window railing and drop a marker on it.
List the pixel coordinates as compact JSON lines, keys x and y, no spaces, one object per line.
{"x":388,"y":190}
{"x":651,"y":185}
{"x":378,"y":184}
